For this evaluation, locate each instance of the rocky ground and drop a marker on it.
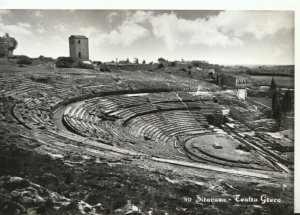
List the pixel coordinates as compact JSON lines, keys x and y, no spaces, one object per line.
{"x":39,"y":184}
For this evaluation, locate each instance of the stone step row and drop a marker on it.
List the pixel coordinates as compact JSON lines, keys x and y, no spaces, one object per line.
{"x":125,"y":101}
{"x":155,"y":129}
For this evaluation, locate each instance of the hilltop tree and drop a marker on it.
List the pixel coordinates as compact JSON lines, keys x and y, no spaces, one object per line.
{"x":287,"y":102}
{"x":136,"y":60}
{"x":273,"y":85}
{"x":8,"y":45}
{"x":161,"y":60}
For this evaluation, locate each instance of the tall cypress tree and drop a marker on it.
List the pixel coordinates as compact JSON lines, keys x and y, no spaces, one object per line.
{"x":277,"y":112}
{"x":275,"y":99}
{"x":276,"y":108}
{"x":273,"y":85}
{"x":287,"y":102}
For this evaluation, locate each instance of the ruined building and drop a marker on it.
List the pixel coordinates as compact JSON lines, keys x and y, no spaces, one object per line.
{"x":79,"y":47}
{"x":233,"y":81}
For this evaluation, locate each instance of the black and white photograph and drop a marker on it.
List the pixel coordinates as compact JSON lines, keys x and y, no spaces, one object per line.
{"x":147,"y":111}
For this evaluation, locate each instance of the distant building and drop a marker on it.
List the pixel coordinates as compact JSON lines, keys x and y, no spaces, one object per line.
{"x":79,"y":47}
{"x":241,"y":94}
{"x":233,"y":81}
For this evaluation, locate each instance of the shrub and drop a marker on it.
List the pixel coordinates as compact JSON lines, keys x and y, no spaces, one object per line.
{"x":64,"y":62}
{"x":47,"y":59}
{"x":97,"y":62}
{"x":161,"y":60}
{"x":41,"y":79}
{"x":104,"y":68}
{"x":172,"y":64}
{"x":160,"y":65}
{"x":24,"y":60}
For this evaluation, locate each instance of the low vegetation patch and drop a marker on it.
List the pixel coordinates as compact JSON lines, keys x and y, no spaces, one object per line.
{"x":64,"y":62}
{"x":23,"y":59}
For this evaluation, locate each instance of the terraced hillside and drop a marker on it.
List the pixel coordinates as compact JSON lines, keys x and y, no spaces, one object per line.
{"x":158,"y":138}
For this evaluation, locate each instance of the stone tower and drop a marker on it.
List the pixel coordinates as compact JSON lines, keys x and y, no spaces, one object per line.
{"x":79,"y":47}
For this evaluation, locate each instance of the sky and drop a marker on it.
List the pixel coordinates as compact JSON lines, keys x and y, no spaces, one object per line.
{"x":219,"y":37}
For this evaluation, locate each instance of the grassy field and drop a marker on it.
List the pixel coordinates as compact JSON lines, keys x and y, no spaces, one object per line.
{"x":281,"y":81}
{"x":262,"y":100}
